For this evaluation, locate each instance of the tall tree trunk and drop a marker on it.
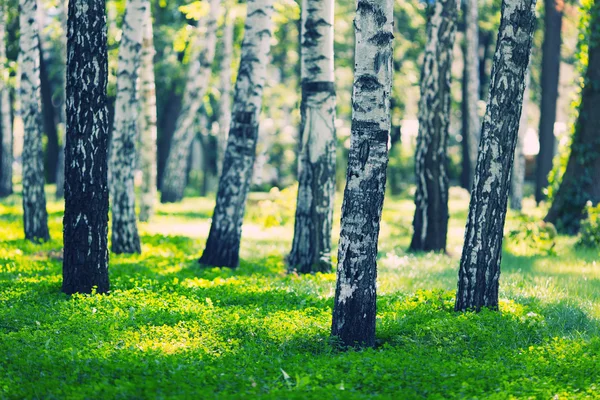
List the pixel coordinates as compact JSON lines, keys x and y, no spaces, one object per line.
{"x":311,"y":248}
{"x":431,"y":199}
{"x":581,"y":182}
{"x":85,"y":262}
{"x":470,"y":114}
{"x":34,"y":199}
{"x":479,"y":270}
{"x":60,"y":168}
{"x":518,"y":171}
{"x":223,"y":244}
{"x":173,"y":180}
{"x":354,"y":307}
{"x":6,"y":151}
{"x":147,"y":122}
{"x":225,"y":101}
{"x":125,"y":238}
{"x":48,"y":117}
{"x":553,"y":10}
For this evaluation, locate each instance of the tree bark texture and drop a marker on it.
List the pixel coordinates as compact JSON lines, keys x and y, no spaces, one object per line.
{"x":200,"y":69}
{"x":470,"y":114}
{"x":147,"y":122}
{"x":518,"y":171}
{"x":581,"y":180}
{"x":355,"y":308}
{"x":125,"y":237}
{"x":311,"y":247}
{"x":431,"y":198}
{"x":553,"y":10}
{"x":85,"y":263}
{"x":6,"y":151}
{"x":479,"y":270}
{"x":223,"y":244}
{"x":225,"y":82}
{"x":60,"y":169}
{"x":35,"y":217}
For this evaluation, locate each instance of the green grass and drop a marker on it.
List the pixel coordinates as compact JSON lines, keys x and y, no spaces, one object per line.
{"x":170,"y":329}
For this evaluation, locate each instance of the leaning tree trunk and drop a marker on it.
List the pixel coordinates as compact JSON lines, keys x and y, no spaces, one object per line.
{"x":6,"y":152}
{"x":431,"y":198}
{"x":470,"y":114}
{"x":125,"y":238}
{"x":223,"y":244}
{"x":225,"y":101}
{"x":479,"y":270}
{"x":60,"y":168}
{"x":355,"y":294}
{"x":518,"y":171}
{"x":581,"y":182}
{"x":553,"y":10}
{"x":173,"y":180}
{"x":85,"y":262}
{"x":34,"y":199}
{"x":311,"y":248}
{"x":147,"y":122}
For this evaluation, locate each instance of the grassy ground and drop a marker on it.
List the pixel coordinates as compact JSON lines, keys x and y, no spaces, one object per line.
{"x":170,"y":329}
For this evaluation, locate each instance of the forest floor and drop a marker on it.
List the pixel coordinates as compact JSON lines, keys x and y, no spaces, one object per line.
{"x":171,"y":329}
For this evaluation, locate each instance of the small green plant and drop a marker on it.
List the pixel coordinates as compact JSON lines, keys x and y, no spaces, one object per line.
{"x":537,"y":236}
{"x":589,"y":233}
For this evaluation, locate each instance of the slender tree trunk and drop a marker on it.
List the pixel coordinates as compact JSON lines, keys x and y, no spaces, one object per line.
{"x":34,"y":199}
{"x":223,"y":244}
{"x":550,"y":74}
{"x":48,"y":117}
{"x":518,"y":171}
{"x":147,"y":122}
{"x":60,"y":168}
{"x":470,"y":114}
{"x":311,"y":248}
{"x":125,"y":238}
{"x":6,"y":151}
{"x":431,"y":199}
{"x":85,"y":263}
{"x":581,"y":182}
{"x":225,"y":101}
{"x":173,"y":183}
{"x":354,"y":307}
{"x":479,"y":271}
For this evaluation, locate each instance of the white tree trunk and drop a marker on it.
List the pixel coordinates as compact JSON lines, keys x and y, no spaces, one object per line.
{"x":200,"y":69}
{"x":225,"y":101}
{"x":6,"y":152}
{"x":311,"y":248}
{"x":34,"y":199}
{"x":479,"y":270}
{"x":223,"y":244}
{"x":355,"y":295}
{"x":125,"y":237}
{"x":518,"y":171}
{"x":147,"y":122}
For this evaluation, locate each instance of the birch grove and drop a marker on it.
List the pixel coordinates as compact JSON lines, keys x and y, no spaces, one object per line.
{"x":6,"y":151}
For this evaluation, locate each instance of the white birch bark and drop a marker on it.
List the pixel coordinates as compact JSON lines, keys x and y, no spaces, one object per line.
{"x":173,"y":180}
{"x":6,"y":170}
{"x":34,"y":199}
{"x":125,"y":237}
{"x":518,"y":171}
{"x":355,"y":295}
{"x":225,"y":82}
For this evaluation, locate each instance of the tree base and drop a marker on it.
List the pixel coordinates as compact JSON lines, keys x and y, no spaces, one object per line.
{"x":220,"y":256}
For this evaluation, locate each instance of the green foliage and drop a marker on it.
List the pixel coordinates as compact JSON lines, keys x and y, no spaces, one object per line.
{"x":276,"y":209}
{"x":589,"y":233}
{"x":538,"y":236}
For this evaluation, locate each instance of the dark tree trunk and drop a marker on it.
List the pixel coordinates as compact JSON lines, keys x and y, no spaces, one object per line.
{"x":49,"y":122}
{"x":6,"y":148}
{"x":355,"y":308}
{"x":223,"y":244}
{"x":485,"y":40}
{"x":85,"y":264}
{"x":550,"y":74}
{"x":479,"y":271}
{"x":431,"y":199}
{"x":60,"y":161}
{"x":581,"y":180}
{"x":167,"y":121}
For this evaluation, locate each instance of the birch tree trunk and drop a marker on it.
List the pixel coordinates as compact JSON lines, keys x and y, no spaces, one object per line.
{"x":85,"y":262}
{"x":223,"y":244}
{"x":125,"y":238}
{"x":553,"y":13}
{"x":355,"y":308}
{"x":6,"y":152}
{"x":225,"y":101}
{"x":518,"y":171}
{"x":147,"y":122}
{"x":581,"y":180}
{"x":479,"y":271}
{"x":60,"y":168}
{"x":174,"y":180}
{"x":431,"y":199}
{"x":34,"y":199}
{"x":311,"y":247}
{"x":470,"y":114}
